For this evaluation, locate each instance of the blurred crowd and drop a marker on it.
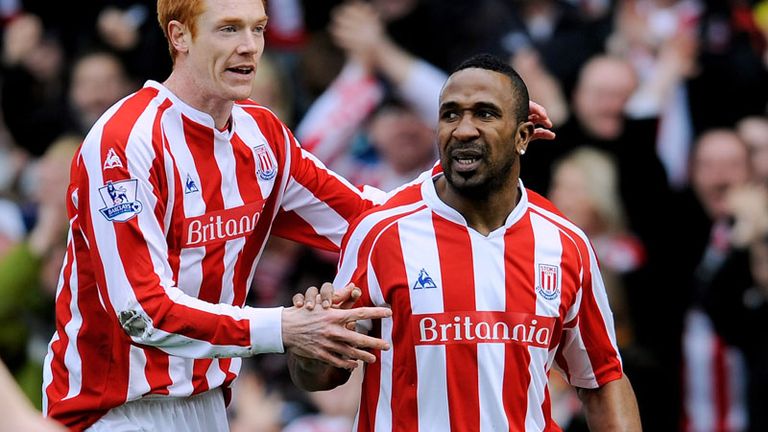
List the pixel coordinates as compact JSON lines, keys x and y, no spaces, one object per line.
{"x":661,"y":156}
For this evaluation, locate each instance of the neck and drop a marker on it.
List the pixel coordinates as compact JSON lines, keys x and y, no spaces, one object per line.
{"x":186,"y":89}
{"x":483,"y":214}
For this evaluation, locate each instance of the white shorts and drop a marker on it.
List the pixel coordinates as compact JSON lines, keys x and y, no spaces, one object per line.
{"x":200,"y":413}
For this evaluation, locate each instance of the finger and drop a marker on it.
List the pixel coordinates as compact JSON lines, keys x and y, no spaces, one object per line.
{"x":540,"y":114}
{"x":349,"y":351}
{"x":361,"y":341}
{"x":334,"y":360}
{"x":543,"y":134}
{"x":298,"y":300}
{"x":310,"y":297}
{"x":359,"y":354}
{"x":347,"y":296}
{"x":363,"y":313}
{"x":326,"y":295}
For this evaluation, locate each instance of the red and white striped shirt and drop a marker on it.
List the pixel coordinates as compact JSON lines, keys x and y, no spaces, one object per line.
{"x":477,"y":321}
{"x":168,"y":219}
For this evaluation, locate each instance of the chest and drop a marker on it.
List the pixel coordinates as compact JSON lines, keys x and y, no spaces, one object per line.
{"x":221,"y":186}
{"x":429,"y":271}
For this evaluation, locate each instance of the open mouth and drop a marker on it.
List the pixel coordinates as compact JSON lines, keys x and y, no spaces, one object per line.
{"x":242,"y":70}
{"x":466,"y":160}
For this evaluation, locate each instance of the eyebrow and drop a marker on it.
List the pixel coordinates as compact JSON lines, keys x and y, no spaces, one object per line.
{"x":238,"y":20}
{"x":478,"y":105}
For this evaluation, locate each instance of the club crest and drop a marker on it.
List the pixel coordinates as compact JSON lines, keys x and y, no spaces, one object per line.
{"x":266,"y":168}
{"x":548,"y":281}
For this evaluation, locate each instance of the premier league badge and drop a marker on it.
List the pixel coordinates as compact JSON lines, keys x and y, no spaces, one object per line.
{"x":120,"y":200}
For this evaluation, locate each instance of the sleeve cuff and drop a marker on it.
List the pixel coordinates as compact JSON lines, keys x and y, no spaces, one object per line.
{"x":266,"y":330}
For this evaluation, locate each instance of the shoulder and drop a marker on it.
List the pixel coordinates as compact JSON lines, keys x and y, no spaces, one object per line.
{"x":129,"y":118}
{"x":547,"y":211}
{"x":259,"y":120}
{"x":372,"y":223}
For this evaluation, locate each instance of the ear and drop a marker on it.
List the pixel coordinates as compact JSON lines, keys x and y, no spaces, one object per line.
{"x":523,"y":136}
{"x":179,"y":34}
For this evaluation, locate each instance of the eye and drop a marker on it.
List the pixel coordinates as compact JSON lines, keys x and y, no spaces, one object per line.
{"x":486,"y":114}
{"x":260,"y":29}
{"x":448,"y":115}
{"x":229,"y":29}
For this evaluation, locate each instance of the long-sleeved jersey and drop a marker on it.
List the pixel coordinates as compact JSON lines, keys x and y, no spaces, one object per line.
{"x":477,"y":321}
{"x":168,"y":218}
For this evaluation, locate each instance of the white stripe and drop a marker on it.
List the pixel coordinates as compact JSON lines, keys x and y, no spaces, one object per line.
{"x":323,"y":219}
{"x":547,"y":251}
{"x":735,"y":368}
{"x":190,"y":259}
{"x":597,"y":288}
{"x":384,"y":402}
{"x":349,"y":261}
{"x":490,"y":295}
{"x":698,"y":351}
{"x":250,"y":133}
{"x":48,"y":372}
{"x":214,"y":376}
{"x":432,"y":385}
{"x":137,"y":379}
{"x":72,"y":359}
{"x":225,"y":160}
{"x":180,"y":370}
{"x":432,"y":388}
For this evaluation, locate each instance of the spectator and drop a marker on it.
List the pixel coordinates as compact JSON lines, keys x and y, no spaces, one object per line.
{"x":719,"y":352}
{"x":99,"y":79}
{"x":29,"y":271}
{"x":32,"y":96}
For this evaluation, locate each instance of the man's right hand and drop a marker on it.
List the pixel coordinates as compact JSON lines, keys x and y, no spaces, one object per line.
{"x":323,"y":334}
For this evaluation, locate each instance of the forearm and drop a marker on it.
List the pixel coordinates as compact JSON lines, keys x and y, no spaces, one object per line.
{"x":314,"y":375}
{"x":188,"y":327}
{"x":611,"y":407}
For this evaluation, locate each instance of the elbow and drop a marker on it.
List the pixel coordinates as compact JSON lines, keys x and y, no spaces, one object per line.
{"x":136,"y":324}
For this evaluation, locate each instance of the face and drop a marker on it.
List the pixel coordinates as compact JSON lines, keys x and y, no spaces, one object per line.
{"x":479,"y":136}
{"x":603,"y":90}
{"x":222,"y":57}
{"x":98,"y":81}
{"x":569,"y":193}
{"x":754,"y":131}
{"x":720,"y":163}
{"x":404,"y":141}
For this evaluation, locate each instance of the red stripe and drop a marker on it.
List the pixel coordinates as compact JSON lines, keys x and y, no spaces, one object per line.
{"x":101,"y":343}
{"x":720,"y":384}
{"x":600,"y":349}
{"x":346,"y":201}
{"x":519,"y":247}
{"x":59,"y":387}
{"x":250,"y":192}
{"x":389,"y":266}
{"x":156,"y":367}
{"x":200,"y":141}
{"x":454,"y":248}
{"x":372,"y":378}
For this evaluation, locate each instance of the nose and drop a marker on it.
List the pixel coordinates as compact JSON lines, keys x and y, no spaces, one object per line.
{"x":250,"y":43}
{"x":466,"y":129}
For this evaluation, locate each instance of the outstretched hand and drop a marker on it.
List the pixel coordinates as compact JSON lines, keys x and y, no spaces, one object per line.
{"x":542,"y":124}
{"x":328,"y":335}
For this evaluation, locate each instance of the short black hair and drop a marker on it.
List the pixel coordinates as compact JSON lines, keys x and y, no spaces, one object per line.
{"x":493,"y":63}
